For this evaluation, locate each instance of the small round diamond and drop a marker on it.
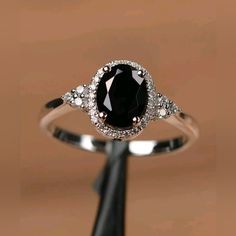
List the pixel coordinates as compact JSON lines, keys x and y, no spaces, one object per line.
{"x":94,"y":119}
{"x":162,"y":112}
{"x":96,"y":79}
{"x":80,"y":89}
{"x":68,"y":97}
{"x":93,"y":86}
{"x":78,"y":102}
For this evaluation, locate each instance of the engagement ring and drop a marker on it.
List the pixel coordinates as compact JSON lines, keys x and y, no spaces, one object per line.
{"x":121,"y":101}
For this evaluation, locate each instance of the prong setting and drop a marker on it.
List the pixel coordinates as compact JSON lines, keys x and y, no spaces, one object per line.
{"x":102,"y":115}
{"x":106,"y":69}
{"x":141,"y":73}
{"x":136,"y":121}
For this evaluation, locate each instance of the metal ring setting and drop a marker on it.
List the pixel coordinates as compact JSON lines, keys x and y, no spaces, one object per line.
{"x":84,"y":97}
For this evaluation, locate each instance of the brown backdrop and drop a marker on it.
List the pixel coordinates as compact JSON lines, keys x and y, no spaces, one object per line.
{"x":60,"y":45}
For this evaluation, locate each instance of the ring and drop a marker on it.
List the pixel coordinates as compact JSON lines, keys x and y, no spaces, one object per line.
{"x":121,"y":101}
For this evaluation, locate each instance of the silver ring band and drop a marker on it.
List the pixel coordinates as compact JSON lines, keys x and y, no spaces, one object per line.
{"x":58,"y":107}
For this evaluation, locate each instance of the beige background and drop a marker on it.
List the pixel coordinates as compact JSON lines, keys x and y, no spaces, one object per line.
{"x":62,"y":43}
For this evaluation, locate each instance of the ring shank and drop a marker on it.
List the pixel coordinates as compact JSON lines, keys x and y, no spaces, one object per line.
{"x":56,"y":108}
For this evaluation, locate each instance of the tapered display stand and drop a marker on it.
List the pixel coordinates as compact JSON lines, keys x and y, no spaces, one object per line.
{"x":111,"y":183}
{"x":111,"y":187}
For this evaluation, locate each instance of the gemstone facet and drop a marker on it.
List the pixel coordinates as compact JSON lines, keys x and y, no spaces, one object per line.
{"x":122,"y":94}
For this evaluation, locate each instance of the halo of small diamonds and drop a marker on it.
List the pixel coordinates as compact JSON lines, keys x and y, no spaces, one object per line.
{"x":109,"y":131}
{"x":85,"y":97}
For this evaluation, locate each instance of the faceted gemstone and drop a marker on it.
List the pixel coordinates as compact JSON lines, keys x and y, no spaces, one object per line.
{"x":78,"y":101}
{"x":80,"y":89}
{"x":122,"y":95}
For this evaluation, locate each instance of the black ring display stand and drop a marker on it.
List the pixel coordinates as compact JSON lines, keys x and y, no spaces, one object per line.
{"x":111,"y":183}
{"x":111,"y":186}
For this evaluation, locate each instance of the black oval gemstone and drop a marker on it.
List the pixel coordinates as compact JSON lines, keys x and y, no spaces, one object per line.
{"x":122,"y":95}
